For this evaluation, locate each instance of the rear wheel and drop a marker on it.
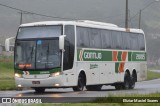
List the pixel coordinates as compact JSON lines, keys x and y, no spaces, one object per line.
{"x":94,"y":87}
{"x":39,"y":90}
{"x":133,"y":80}
{"x":81,"y":83}
{"x":127,"y":80}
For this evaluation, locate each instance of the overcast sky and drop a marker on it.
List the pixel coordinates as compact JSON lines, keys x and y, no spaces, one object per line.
{"x":112,"y":11}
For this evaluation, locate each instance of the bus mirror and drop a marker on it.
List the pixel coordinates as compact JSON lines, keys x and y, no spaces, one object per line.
{"x":61,"y":42}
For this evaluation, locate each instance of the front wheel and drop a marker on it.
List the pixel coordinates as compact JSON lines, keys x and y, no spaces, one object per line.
{"x":81,"y":83}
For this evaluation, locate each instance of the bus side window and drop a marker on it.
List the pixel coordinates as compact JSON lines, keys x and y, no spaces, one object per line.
{"x":141,"y":42}
{"x":126,"y":39}
{"x":116,"y":40}
{"x":106,"y":39}
{"x":82,"y":37}
{"x":134,"y":41}
{"x":69,"y":47}
{"x":95,"y":38}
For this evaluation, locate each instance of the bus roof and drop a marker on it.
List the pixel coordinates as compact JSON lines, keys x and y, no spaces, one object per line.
{"x":83,"y":23}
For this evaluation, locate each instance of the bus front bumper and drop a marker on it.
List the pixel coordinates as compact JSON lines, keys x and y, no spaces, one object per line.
{"x":50,"y":82}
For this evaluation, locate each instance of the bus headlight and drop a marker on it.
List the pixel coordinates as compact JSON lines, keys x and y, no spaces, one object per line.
{"x":18,"y":75}
{"x":55,"y":74}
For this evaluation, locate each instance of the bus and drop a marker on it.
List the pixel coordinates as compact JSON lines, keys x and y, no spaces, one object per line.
{"x":78,"y":54}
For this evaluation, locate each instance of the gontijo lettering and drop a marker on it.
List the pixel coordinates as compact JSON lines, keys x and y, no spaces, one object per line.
{"x":92,"y":55}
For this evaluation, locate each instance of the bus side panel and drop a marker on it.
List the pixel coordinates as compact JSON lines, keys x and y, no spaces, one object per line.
{"x":142,"y":74}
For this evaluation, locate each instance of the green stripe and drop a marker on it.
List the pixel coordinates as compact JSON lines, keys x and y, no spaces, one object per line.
{"x":98,"y":55}
{"x":119,"y":56}
{"x":116,"y":67}
{"x":137,"y":56}
{"x":107,"y":55}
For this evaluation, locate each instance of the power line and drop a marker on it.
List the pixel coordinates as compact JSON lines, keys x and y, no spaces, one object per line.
{"x":24,"y":11}
{"x":33,"y":13}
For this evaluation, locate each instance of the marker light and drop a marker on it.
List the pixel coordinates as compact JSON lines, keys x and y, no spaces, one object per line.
{"x":18,"y":75}
{"x":55,"y":74}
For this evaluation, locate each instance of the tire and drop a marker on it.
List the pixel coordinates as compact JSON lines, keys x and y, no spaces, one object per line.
{"x":81,"y":83}
{"x":39,"y":90}
{"x":133,"y":81}
{"x":94,"y":87}
{"x":127,"y":81}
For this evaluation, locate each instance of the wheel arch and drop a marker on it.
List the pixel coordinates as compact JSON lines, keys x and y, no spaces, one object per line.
{"x":84,"y":74}
{"x":128,"y":72}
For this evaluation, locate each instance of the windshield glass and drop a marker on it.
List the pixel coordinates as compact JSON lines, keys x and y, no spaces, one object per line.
{"x":37,"y":54}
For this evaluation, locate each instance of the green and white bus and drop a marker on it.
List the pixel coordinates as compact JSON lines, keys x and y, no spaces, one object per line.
{"x":78,"y":54}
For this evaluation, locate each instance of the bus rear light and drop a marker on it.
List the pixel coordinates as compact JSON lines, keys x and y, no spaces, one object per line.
{"x":55,"y":74}
{"x":18,"y":75}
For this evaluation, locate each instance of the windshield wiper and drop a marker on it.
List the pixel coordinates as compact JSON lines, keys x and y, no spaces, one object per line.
{"x":31,"y":55}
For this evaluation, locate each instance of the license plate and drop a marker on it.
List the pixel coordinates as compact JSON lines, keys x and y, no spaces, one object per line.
{"x":35,"y":82}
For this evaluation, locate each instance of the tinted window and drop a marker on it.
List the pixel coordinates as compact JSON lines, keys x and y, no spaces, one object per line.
{"x":69,"y":47}
{"x":82,"y":37}
{"x":134,"y":41}
{"x":141,"y":42}
{"x":95,"y":38}
{"x":116,"y":40}
{"x":126,"y":40}
{"x":39,"y":32}
{"x":106,"y":39}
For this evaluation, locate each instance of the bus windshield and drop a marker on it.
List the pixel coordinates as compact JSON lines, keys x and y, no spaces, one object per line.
{"x":37,"y":54}
{"x":37,"y":48}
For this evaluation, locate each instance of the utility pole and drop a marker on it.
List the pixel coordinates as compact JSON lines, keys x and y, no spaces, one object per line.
{"x":140,"y":19}
{"x":126,"y":19}
{"x":140,"y":12}
{"x":21,"y":16}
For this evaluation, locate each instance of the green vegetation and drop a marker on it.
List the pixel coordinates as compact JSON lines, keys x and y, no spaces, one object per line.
{"x":6,"y":73}
{"x":152,"y":75}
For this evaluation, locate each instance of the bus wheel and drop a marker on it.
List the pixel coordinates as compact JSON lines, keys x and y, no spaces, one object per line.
{"x":81,"y":83}
{"x":94,"y":87}
{"x":127,"y":81}
{"x":39,"y":90}
{"x":133,"y":81}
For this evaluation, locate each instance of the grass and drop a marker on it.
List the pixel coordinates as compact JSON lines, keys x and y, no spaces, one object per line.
{"x":7,"y":85}
{"x":152,"y":75}
{"x":6,"y":73}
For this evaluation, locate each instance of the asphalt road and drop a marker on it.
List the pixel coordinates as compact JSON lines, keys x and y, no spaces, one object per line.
{"x":144,"y":87}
